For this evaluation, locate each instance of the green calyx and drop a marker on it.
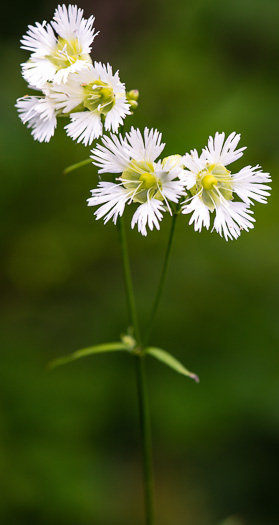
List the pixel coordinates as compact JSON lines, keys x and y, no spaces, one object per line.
{"x":141,"y":178}
{"x":99,"y":96}
{"x":66,"y":53}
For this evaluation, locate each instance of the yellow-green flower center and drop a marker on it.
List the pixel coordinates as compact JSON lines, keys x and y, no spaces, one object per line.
{"x":67,"y":52}
{"x":213,"y":184}
{"x":141,"y":179}
{"x":208,"y":181}
{"x":148,"y":181}
{"x":99,"y":96}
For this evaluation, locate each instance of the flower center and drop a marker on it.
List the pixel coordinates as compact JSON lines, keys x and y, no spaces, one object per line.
{"x":209,"y":181}
{"x":141,"y":179}
{"x":148,"y":181}
{"x":66,"y":53}
{"x":99,"y":96}
{"x":213,"y":184}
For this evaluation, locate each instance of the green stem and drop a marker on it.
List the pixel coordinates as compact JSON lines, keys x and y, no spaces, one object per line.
{"x":161,"y":282}
{"x":74,"y":167}
{"x":133,"y":317}
{"x":144,"y":415}
{"x":145,"y":430}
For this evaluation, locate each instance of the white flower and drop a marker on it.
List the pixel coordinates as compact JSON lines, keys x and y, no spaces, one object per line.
{"x":98,"y":94}
{"x":212,"y":187}
{"x":39,"y":113}
{"x":59,"y":48}
{"x":146,"y":182}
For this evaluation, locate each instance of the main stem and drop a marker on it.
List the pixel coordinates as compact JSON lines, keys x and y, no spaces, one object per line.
{"x":144,"y":415}
{"x":161,"y":282}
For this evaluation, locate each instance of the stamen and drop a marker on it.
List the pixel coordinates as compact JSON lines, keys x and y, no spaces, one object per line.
{"x":221,"y":197}
{"x":134,"y":192}
{"x":165,"y":199}
{"x":196,"y":195}
{"x":210,"y":196}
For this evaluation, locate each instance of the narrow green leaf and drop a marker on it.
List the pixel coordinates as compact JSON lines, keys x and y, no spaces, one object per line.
{"x":98,"y":349}
{"x":76,"y":166}
{"x":171,"y":361}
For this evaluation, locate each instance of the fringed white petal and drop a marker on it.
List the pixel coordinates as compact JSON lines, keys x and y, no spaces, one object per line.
{"x":250,"y":184}
{"x":146,"y":148}
{"x":61,"y":75}
{"x":39,"y":115}
{"x":233,"y":218}
{"x":85,"y":126}
{"x":219,"y":152}
{"x":39,"y":39}
{"x":193,"y":162}
{"x":113,"y":156}
{"x":115,"y":116}
{"x":173,"y":190}
{"x":112,"y":198}
{"x":200,"y":212}
{"x":67,"y":97}
{"x":38,"y":71}
{"x":68,"y":22}
{"x":149,"y":213}
{"x":189,"y":178}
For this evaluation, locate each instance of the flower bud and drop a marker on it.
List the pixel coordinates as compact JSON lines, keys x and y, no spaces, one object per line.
{"x":172,"y":161}
{"x":133,"y":104}
{"x":133,"y":94}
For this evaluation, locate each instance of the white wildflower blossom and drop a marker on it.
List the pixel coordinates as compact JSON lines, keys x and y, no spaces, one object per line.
{"x":152,"y":185}
{"x":97,"y":96}
{"x":58,"y":48}
{"x":39,"y":113}
{"x":212,"y":187}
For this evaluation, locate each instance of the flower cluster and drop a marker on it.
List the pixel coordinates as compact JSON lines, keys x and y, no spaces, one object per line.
{"x":95,"y":100}
{"x":70,"y":85}
{"x":201,"y":184}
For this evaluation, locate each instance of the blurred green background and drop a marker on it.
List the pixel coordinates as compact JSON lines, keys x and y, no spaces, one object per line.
{"x":69,"y":443}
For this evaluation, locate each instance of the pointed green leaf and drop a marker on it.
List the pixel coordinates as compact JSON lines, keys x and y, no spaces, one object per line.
{"x":98,"y":349}
{"x":77,"y":166}
{"x":171,"y":361}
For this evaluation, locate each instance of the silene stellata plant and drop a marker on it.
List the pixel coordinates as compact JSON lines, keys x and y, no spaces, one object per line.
{"x":202,"y":185}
